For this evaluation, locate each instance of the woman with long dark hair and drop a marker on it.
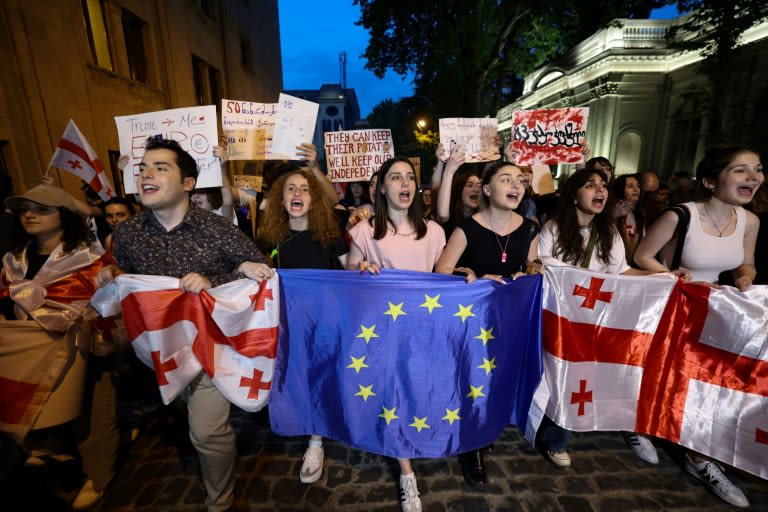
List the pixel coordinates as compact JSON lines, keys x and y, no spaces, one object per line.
{"x":397,"y":237}
{"x":494,"y":243}
{"x":582,"y":233}
{"x":721,"y":236}
{"x":48,"y":280}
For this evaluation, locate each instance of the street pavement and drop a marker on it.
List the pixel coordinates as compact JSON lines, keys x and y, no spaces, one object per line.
{"x":159,"y":472}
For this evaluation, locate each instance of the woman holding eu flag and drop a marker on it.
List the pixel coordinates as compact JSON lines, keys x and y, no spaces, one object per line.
{"x":397,"y":237}
{"x":494,"y":243}
{"x":302,"y":231}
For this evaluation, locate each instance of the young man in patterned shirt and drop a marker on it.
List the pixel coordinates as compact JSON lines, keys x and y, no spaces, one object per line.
{"x":172,"y":237}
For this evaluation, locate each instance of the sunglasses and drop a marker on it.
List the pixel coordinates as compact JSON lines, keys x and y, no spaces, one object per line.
{"x":37,"y":209}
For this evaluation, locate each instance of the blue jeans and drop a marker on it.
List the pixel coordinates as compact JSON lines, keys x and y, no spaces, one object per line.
{"x":552,"y":437}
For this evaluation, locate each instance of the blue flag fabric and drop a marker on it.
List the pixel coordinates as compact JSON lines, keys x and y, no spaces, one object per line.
{"x":405,"y":364}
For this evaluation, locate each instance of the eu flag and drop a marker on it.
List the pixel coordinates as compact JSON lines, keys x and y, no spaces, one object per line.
{"x":405,"y":364}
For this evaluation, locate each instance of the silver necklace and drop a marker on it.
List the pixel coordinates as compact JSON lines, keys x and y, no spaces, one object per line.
{"x":728,"y":223}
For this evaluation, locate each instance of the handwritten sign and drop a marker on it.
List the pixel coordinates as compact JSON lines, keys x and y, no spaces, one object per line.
{"x":248,"y":182}
{"x":549,"y":136}
{"x":478,"y":136}
{"x":249,"y":127}
{"x":356,"y":154}
{"x":194,"y":128}
{"x":295,"y":124}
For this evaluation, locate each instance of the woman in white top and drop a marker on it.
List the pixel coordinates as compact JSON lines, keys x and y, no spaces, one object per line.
{"x":721,"y":236}
{"x":583,"y":234}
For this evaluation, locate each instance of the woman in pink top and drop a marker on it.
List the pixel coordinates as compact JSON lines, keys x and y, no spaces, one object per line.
{"x":397,"y":237}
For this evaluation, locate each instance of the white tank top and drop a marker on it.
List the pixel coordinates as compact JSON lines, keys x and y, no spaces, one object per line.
{"x":704,"y":255}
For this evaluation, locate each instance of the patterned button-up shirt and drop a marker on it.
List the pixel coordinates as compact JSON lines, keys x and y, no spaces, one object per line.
{"x":203,"y":242}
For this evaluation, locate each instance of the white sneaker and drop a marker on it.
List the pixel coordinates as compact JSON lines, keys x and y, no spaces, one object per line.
{"x":559,"y":458}
{"x":312,"y":468}
{"x":409,"y":494}
{"x":711,"y":474}
{"x":87,"y":496}
{"x":642,"y":447}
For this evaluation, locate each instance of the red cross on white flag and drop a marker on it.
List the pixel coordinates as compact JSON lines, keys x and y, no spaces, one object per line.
{"x":230,"y":332}
{"x":74,"y":154}
{"x":678,"y":361}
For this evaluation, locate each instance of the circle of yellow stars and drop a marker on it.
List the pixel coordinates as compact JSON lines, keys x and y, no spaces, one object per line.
{"x":431,"y":303}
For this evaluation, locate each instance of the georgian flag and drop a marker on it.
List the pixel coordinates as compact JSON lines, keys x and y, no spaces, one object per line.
{"x":649,"y":354}
{"x":230,"y":332}
{"x":75,"y":155}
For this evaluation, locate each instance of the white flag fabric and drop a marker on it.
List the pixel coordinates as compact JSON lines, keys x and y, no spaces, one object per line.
{"x":75,"y":155}
{"x":652,"y":355}
{"x":230,"y":332}
{"x":32,"y":362}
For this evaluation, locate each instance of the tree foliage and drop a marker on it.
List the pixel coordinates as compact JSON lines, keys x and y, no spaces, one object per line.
{"x":714,"y":29}
{"x":469,"y":57}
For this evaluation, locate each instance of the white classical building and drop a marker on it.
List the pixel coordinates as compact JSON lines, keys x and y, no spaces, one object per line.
{"x":648,"y":103}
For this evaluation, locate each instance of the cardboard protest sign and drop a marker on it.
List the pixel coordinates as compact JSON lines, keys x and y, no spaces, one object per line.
{"x":478,"y":136}
{"x":249,"y":128}
{"x":542,"y":182}
{"x":194,"y":128}
{"x":356,"y":154}
{"x":248,"y":182}
{"x":294,"y":125}
{"x":549,"y":136}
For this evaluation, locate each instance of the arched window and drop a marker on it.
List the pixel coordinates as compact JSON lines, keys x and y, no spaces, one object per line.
{"x":628,"y":149}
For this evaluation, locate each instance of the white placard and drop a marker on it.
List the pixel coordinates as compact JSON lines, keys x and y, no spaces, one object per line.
{"x":295,"y":124}
{"x":478,"y":135}
{"x":355,"y":155}
{"x":194,"y":128}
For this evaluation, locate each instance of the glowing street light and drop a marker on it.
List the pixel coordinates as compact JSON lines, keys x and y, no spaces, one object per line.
{"x":421,"y":123}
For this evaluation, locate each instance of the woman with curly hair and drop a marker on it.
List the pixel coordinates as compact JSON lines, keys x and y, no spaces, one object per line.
{"x":302,"y":231}
{"x":582,"y":233}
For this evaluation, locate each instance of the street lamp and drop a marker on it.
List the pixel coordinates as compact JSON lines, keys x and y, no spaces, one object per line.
{"x":421,"y":123}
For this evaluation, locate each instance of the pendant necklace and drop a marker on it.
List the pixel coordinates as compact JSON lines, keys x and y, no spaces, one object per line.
{"x":719,"y":231}
{"x":498,"y":240}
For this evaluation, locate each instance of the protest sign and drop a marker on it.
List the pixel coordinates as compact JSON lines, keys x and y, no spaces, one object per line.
{"x":194,"y":128}
{"x":249,"y":127}
{"x":248,"y":182}
{"x":549,"y":136}
{"x":356,"y":154}
{"x":294,"y":125}
{"x":478,"y":137}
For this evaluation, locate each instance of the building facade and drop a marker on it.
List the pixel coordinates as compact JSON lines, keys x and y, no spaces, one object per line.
{"x":648,"y":103}
{"x":92,"y":60}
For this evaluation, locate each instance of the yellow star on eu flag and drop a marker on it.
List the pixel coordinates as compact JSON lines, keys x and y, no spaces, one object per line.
{"x":475,"y":392}
{"x":358,"y":363}
{"x":395,"y":310}
{"x":451,"y":415}
{"x":365,"y":392}
{"x":367,"y":333}
{"x":419,"y":423}
{"x":485,"y":335}
{"x":389,"y":414}
{"x":487,"y":365}
{"x":431,"y":303}
{"x":464,"y":312}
